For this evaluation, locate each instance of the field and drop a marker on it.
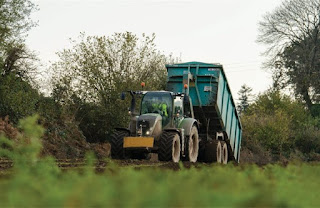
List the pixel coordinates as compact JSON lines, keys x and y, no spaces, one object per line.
{"x":27,"y":180}
{"x":141,"y":184}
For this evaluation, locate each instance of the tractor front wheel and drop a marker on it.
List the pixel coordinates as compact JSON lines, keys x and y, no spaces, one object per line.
{"x":169,"y":147}
{"x":117,"y":150}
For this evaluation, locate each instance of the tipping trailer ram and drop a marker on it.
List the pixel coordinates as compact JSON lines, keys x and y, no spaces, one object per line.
{"x":195,"y":119}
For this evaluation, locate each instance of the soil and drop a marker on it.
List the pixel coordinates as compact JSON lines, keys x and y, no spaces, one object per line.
{"x":102,"y":164}
{"x":61,"y":140}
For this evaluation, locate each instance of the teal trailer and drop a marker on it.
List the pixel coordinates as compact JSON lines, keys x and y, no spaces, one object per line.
{"x":212,"y":101}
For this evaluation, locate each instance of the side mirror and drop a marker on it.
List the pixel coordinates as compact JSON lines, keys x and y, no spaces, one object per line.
{"x":123,"y":95}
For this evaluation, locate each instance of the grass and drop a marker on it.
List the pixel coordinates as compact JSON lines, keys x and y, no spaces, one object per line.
{"x":39,"y":182}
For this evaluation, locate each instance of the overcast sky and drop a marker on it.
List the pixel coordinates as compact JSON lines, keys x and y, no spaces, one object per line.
{"x":213,"y":31}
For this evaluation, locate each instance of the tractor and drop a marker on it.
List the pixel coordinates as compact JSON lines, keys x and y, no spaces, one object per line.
{"x":165,"y":125}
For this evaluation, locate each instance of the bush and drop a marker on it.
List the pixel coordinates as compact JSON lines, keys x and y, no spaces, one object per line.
{"x":281,"y":125}
{"x":97,"y":122}
{"x":18,"y":98}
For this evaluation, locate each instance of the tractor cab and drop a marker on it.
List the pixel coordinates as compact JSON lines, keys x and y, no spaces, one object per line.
{"x":160,"y":103}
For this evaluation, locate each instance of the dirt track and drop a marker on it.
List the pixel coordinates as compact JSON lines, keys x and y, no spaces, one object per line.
{"x":67,"y":164}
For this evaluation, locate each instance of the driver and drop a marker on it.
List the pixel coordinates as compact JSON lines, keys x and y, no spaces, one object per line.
{"x":161,"y":107}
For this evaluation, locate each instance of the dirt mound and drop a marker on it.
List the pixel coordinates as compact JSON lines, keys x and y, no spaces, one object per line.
{"x":7,"y":129}
{"x":101,"y":150}
{"x":61,"y":140}
{"x":257,"y":157}
{"x":66,"y":141}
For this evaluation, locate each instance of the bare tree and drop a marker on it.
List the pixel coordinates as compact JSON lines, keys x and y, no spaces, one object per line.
{"x":291,"y":33}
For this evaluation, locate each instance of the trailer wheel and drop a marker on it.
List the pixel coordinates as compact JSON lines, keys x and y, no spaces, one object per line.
{"x":169,"y":148}
{"x":202,"y":149}
{"x":193,"y":145}
{"x":117,"y":151}
{"x":225,"y":153}
{"x":219,"y":152}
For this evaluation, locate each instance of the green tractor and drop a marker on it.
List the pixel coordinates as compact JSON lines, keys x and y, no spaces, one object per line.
{"x":164,"y":125}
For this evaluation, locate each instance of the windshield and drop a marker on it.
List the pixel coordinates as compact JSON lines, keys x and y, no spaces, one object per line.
{"x":158,"y":102}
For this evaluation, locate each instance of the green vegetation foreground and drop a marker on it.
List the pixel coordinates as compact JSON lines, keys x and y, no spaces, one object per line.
{"x":39,"y":182}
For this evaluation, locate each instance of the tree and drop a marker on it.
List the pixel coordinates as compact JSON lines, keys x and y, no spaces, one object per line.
{"x":245,"y":97}
{"x":17,"y":96}
{"x":291,"y":33}
{"x":15,"y":22}
{"x":92,"y":74}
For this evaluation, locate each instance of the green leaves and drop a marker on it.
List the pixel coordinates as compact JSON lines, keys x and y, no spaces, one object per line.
{"x":18,"y":98}
{"x":281,"y":125}
{"x":90,"y":76}
{"x":15,"y":19}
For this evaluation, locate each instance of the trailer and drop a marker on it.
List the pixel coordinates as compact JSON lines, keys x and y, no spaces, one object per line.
{"x":213,"y":106}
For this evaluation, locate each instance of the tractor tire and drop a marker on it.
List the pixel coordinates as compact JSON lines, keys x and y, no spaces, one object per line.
{"x":117,"y":150}
{"x":225,"y":153}
{"x":169,"y":147}
{"x":193,"y":145}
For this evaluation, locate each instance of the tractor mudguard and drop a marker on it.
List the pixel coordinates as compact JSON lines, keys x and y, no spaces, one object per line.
{"x":187,"y":124}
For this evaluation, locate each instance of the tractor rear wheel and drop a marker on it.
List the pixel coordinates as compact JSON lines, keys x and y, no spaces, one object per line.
{"x":193,"y":145}
{"x":169,"y":147}
{"x":117,"y":150}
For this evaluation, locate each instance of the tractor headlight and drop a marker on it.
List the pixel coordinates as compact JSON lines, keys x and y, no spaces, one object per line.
{"x":147,"y":133}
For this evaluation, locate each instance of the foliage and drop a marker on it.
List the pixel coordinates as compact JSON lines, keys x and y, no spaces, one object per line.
{"x":91,"y":75}
{"x":39,"y":182}
{"x":93,"y":122}
{"x":18,"y":98}
{"x":15,"y":19}
{"x":280,"y":125}
{"x":291,"y":32}
{"x":15,"y":22}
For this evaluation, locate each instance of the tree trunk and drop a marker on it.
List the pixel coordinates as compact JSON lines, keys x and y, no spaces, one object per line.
{"x":306,"y":97}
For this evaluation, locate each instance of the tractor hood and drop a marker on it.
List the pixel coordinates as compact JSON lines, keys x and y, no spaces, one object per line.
{"x":149,"y":124}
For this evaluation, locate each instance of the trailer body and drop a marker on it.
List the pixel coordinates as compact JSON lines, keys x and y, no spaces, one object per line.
{"x":212,"y":101}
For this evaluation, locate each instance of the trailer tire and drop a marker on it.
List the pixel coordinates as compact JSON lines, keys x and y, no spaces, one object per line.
{"x":193,"y":145}
{"x":202,"y":149}
{"x":170,"y":147}
{"x":225,"y":153}
{"x":117,"y":150}
{"x":219,"y":152}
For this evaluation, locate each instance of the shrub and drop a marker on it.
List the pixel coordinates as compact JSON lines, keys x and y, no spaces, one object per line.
{"x":280,"y":125}
{"x":18,"y":98}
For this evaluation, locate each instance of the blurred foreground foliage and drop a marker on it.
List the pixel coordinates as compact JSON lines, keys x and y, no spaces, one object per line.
{"x":39,"y":182}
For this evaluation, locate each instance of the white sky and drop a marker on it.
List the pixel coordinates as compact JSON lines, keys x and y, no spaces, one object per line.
{"x":213,"y":31}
